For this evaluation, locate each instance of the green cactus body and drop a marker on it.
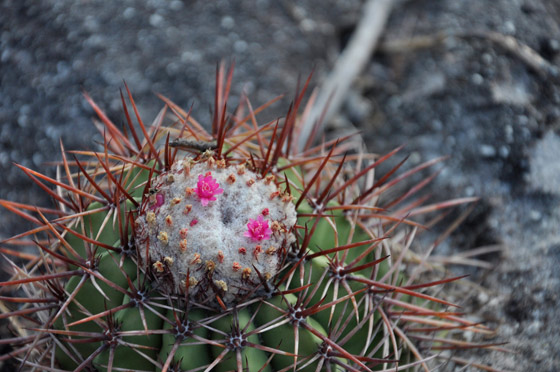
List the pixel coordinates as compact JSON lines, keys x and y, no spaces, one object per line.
{"x":252,"y":359}
{"x":284,"y":335}
{"x":191,"y":353}
{"x":93,"y":298}
{"x":130,"y":320}
{"x":242,"y":255}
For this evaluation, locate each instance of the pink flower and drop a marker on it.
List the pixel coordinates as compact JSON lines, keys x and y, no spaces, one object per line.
{"x":258,"y":229}
{"x":158,"y":201}
{"x":206,"y":188}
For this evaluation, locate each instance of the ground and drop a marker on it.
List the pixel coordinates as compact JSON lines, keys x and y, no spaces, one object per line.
{"x":444,"y":81}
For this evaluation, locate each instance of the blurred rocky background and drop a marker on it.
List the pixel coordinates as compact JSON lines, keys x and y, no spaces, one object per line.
{"x":476,"y":80}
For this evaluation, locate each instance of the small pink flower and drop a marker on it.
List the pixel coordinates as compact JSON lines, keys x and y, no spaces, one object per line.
{"x":158,"y":201}
{"x":206,"y":188}
{"x":258,"y":229}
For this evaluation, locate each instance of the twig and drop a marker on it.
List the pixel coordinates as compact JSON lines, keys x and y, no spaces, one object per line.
{"x":522,"y":51}
{"x":348,"y":65}
{"x":193,"y":145}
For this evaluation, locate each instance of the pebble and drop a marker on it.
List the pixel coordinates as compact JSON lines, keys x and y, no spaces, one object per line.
{"x":508,"y":131}
{"x":504,"y":151}
{"x":487,"y":58}
{"x":129,"y":13}
{"x":156,"y":20}
{"x":487,"y":151}
{"x":535,"y":215}
{"x":477,"y":79}
{"x":176,"y":5}
{"x":227,"y":22}
{"x":240,"y":46}
{"x":508,"y":27}
{"x":436,"y":125}
{"x":534,"y":328}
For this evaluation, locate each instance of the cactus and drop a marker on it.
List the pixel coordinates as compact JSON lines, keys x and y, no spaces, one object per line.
{"x":178,"y":249}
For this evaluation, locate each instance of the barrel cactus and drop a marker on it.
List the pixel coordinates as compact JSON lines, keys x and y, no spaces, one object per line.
{"x":177,"y":249}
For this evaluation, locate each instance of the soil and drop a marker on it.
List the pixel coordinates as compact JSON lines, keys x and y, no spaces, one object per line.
{"x":457,"y":92}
